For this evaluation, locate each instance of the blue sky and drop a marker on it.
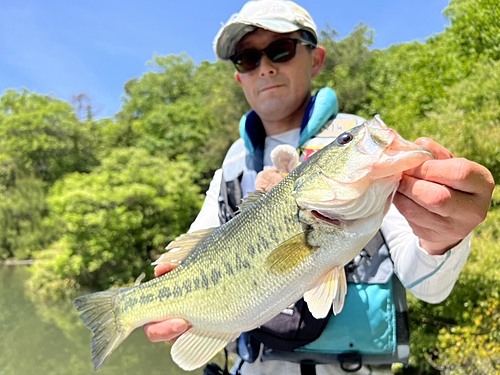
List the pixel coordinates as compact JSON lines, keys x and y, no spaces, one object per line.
{"x":64,"y":48}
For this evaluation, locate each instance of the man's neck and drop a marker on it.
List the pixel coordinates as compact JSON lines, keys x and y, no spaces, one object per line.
{"x":288,"y":123}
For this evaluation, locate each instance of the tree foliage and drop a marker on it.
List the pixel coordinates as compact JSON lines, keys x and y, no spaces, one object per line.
{"x":346,"y":67}
{"x":41,"y":140}
{"x":115,"y":220}
{"x":475,"y":28}
{"x":40,"y":136}
{"x":22,"y":210}
{"x":184,"y":112}
{"x":468,"y":121}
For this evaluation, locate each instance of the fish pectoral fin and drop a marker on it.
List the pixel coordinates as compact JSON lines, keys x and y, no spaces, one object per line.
{"x":196,"y":347}
{"x":289,"y":254}
{"x":178,"y":249}
{"x":329,"y":292}
{"x":252,"y":197}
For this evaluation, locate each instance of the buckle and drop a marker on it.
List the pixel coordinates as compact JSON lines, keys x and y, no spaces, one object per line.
{"x":350,"y":362}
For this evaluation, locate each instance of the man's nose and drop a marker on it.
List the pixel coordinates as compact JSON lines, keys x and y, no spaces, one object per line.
{"x":266,"y":67}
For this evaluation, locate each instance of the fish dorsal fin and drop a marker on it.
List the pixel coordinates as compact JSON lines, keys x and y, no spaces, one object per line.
{"x":178,"y":249}
{"x":329,"y":292}
{"x":252,"y":197}
{"x":196,"y":347}
{"x":289,"y":254}
{"x":139,"y":279}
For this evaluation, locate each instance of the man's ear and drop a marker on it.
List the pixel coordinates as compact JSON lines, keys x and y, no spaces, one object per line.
{"x":319,"y":57}
{"x":237,"y":77}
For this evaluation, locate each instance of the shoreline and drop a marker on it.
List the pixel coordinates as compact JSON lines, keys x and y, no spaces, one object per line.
{"x":15,"y":262}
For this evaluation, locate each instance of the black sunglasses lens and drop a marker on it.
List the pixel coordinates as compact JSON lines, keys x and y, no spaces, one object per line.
{"x":247,"y":60}
{"x":281,"y":50}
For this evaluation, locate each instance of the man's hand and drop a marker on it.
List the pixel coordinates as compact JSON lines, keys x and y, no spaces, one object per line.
{"x":444,"y":199}
{"x":167,"y":330}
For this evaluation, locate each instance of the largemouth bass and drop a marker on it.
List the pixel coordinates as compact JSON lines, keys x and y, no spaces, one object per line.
{"x":290,"y":242}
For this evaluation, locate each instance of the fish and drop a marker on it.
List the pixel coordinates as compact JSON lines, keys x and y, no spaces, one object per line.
{"x":290,"y":242}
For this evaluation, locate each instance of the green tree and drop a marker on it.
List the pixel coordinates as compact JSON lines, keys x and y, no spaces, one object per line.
{"x":468,"y":121}
{"x":475,"y":28}
{"x":346,"y":67}
{"x":41,"y":140}
{"x":40,"y":136}
{"x":22,"y":210}
{"x":219,"y":92}
{"x":114,"y":221}
{"x":407,"y":80}
{"x":183,"y":111}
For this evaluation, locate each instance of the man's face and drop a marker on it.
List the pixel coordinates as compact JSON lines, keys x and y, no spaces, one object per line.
{"x":277,"y":90}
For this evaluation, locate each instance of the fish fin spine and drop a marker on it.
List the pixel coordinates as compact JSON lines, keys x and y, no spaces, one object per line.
{"x":182,"y":246}
{"x":98,"y":313}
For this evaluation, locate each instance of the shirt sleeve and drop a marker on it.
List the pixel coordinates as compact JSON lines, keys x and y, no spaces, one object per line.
{"x":429,"y":277}
{"x":209,"y":213}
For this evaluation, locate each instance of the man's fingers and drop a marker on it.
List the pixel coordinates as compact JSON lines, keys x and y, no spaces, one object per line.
{"x":439,"y":151}
{"x":435,"y":198}
{"x":423,"y":222}
{"x":167,"y":330}
{"x":437,"y":233}
{"x":457,"y":173}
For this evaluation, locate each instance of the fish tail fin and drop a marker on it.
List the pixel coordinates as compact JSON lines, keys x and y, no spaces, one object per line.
{"x":98,"y":313}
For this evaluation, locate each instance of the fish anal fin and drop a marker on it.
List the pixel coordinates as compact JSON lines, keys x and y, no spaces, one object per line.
{"x":178,"y":249}
{"x":289,"y":254}
{"x":329,"y":292}
{"x":252,"y":197}
{"x":196,"y":347}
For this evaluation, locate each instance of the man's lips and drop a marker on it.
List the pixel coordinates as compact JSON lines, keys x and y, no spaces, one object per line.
{"x":270,"y":87}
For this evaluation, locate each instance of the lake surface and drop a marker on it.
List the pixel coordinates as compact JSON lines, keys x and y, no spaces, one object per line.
{"x":49,"y":339}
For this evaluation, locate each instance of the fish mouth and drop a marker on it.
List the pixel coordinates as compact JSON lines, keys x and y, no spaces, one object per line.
{"x":326,"y":219}
{"x":400,"y":155}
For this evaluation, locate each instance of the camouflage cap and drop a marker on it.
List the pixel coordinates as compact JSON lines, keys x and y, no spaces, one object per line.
{"x":279,"y":16}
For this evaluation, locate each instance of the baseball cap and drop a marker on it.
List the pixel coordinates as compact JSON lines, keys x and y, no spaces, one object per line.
{"x":279,"y":16}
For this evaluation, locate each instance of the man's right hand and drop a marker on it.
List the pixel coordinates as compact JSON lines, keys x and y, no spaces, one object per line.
{"x":167,"y":330}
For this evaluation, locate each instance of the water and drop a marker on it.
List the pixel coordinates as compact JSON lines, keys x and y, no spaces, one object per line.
{"x":49,"y":339}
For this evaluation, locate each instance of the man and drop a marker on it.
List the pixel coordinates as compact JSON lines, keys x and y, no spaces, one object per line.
{"x":273,"y":46}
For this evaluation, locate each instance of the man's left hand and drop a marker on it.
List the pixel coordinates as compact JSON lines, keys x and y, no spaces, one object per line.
{"x":444,"y":199}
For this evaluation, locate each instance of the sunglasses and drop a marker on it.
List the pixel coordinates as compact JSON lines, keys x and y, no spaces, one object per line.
{"x":280,"y":51}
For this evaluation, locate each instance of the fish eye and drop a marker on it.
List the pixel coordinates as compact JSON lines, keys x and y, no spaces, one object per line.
{"x":344,"y":138}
